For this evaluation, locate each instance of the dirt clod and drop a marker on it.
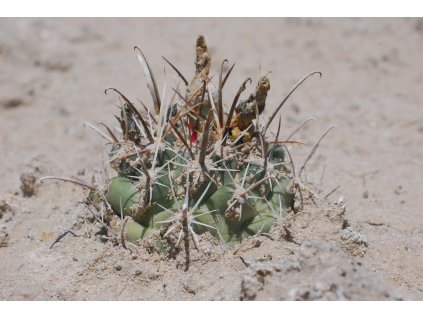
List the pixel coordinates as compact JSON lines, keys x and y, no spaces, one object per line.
{"x":253,"y":280}
{"x":355,"y":243}
{"x":28,"y":186}
{"x":4,"y":208}
{"x":4,"y":239}
{"x":32,"y":172}
{"x":320,"y":271}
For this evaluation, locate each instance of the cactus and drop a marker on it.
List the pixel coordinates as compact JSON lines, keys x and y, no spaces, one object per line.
{"x":188,"y":167}
{"x":189,"y":170}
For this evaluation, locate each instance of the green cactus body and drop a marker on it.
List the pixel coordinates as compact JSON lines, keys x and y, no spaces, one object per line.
{"x":258,"y":215}
{"x":190,"y":162}
{"x":135,"y":231}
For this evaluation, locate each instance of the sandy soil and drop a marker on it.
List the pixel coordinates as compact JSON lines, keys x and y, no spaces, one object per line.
{"x":366,"y":243}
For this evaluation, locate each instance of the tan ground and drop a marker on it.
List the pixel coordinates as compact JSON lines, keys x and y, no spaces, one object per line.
{"x":52,"y":76}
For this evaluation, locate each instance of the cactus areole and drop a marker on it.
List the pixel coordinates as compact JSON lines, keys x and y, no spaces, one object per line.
{"x":189,"y":164}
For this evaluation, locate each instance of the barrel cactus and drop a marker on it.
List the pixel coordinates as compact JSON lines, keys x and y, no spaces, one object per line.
{"x":187,"y":166}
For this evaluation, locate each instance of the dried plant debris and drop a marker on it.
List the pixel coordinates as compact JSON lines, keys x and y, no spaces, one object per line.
{"x":188,"y":165}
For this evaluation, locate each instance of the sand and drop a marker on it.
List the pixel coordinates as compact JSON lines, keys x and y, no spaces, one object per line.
{"x":364,"y":241}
